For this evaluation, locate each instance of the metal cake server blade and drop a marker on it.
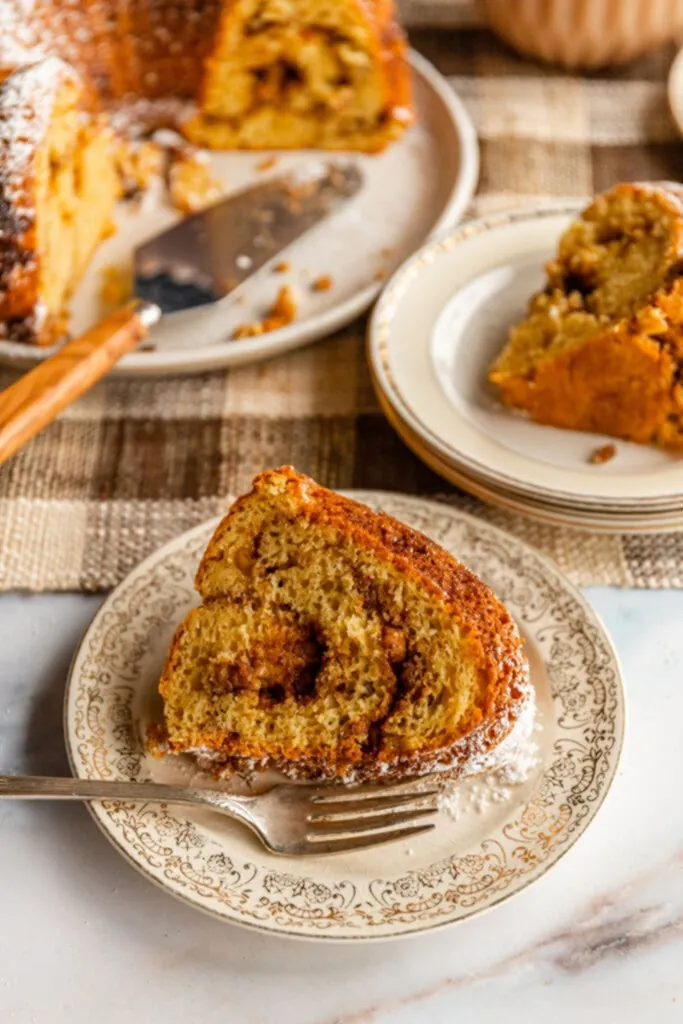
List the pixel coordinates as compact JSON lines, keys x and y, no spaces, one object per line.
{"x":207,"y":255}
{"x":197,"y":262}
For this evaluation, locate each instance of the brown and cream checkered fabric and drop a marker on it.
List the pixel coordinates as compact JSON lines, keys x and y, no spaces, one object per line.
{"x":137,"y":461}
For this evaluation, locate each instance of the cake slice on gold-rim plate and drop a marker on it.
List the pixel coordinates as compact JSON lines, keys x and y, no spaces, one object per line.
{"x":336,"y":643}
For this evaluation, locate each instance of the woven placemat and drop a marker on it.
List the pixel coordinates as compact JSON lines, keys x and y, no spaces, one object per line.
{"x":137,"y":461}
{"x":447,"y":13}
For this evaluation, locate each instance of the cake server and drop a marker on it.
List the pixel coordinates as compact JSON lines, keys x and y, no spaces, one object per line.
{"x":197,"y":262}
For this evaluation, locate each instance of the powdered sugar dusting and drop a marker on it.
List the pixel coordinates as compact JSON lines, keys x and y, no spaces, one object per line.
{"x":516,"y":759}
{"x":18,"y":42}
{"x":26,"y":103}
{"x":510,"y":766}
{"x":31,"y":30}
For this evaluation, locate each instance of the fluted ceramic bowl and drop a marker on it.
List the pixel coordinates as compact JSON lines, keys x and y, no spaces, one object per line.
{"x":585,"y":33}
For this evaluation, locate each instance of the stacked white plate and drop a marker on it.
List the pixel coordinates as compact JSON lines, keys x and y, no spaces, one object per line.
{"x":437,"y":328}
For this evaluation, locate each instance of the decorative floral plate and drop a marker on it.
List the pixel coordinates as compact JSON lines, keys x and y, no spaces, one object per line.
{"x":492,"y":839}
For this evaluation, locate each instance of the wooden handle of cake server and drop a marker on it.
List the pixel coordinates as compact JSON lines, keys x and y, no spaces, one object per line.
{"x":41,"y":394}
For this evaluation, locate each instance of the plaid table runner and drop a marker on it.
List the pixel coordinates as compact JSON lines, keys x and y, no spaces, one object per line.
{"x":136,"y":462}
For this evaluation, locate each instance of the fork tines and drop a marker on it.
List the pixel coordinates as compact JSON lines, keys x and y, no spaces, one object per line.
{"x":369,"y":815}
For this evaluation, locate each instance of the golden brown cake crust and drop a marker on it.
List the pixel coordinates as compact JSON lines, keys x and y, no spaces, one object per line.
{"x":622,"y":378}
{"x":490,"y":634}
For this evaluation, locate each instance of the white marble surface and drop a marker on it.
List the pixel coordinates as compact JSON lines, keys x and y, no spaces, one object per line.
{"x":84,"y":938}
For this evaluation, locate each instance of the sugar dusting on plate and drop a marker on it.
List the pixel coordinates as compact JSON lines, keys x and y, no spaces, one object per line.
{"x":479,"y":794}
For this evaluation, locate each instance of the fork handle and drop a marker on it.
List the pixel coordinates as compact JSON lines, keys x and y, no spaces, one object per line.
{"x":36,"y":787}
{"x":40,"y":395}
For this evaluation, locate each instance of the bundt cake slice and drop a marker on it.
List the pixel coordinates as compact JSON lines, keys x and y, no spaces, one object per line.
{"x":58,"y":187}
{"x":601,"y":348}
{"x":335,"y":642}
{"x":304,"y":73}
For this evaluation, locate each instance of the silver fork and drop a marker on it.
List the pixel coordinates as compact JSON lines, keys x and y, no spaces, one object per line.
{"x":294,"y":820}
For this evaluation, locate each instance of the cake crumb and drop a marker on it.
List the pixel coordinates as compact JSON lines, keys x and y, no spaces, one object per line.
{"x":283,"y":312}
{"x":603,"y":454}
{"x":192,"y":184}
{"x":322,"y":283}
{"x":138,"y":163}
{"x":267,"y":163}
{"x":156,"y":740}
{"x":381,"y":275}
{"x":282,"y":267}
{"x":296,"y":192}
{"x":284,"y":307}
{"x":116,"y":287}
{"x":248,"y":330}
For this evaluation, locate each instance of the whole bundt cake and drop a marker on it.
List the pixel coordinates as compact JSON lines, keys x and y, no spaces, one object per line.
{"x":335,"y":642}
{"x":601,"y":346}
{"x":247,"y":74}
{"x":263,"y":73}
